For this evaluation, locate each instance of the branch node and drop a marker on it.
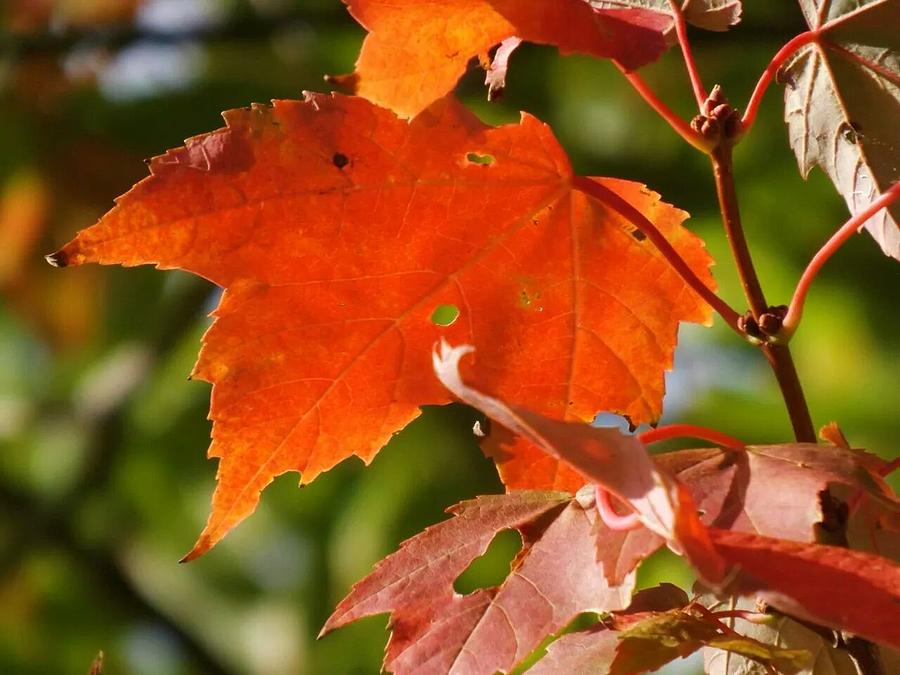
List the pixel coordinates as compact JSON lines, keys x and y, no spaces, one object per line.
{"x":718,"y":120}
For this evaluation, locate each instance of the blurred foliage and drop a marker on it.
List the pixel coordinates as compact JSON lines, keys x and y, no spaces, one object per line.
{"x":103,"y":481}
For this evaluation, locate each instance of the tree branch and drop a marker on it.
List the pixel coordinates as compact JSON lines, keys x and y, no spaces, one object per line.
{"x":778,"y":356}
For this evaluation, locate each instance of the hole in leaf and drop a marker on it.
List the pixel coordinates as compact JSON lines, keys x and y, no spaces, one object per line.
{"x":445,"y":315}
{"x":480,"y":159}
{"x":490,"y":569}
{"x":340,"y":160}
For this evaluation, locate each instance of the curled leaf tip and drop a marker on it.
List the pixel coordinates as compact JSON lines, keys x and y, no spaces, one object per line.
{"x":58,"y":259}
{"x":446,"y":358}
{"x":201,"y":547}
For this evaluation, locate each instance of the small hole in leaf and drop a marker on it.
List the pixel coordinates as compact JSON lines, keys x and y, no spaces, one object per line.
{"x":490,"y":569}
{"x":340,"y":160}
{"x":480,"y":159}
{"x":445,"y":315}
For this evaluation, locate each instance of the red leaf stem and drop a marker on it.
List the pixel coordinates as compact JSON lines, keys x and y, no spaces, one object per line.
{"x":668,"y":431}
{"x":768,"y":75}
{"x":608,"y":514}
{"x":681,"y":31}
{"x":838,"y":239}
{"x":678,"y":124}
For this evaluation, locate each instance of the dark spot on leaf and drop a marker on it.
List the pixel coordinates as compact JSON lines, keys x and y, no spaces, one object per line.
{"x":340,"y":160}
{"x":784,"y":76}
{"x":445,"y":315}
{"x":850,"y":132}
{"x":480,"y":159}
{"x":638,"y":234}
{"x":58,"y":259}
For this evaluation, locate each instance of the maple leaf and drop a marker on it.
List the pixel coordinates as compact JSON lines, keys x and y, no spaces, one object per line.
{"x":842,"y":102}
{"x":417,"y":50}
{"x":620,"y":551}
{"x":773,"y":490}
{"x":435,"y":630}
{"x":795,"y":576}
{"x":337,"y":230}
{"x":637,"y":640}
{"x":837,"y":587}
{"x":717,"y":15}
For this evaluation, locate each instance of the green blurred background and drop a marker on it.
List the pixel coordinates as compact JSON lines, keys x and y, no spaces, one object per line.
{"x":103,"y":478}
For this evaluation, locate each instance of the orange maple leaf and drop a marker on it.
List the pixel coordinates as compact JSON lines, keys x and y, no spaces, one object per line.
{"x":417,"y":50}
{"x":337,"y":229}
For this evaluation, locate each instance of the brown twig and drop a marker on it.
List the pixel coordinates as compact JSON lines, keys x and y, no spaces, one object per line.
{"x":778,"y":356}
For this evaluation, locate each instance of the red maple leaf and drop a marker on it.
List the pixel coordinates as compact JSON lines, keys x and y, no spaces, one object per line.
{"x":417,"y":50}
{"x":337,"y":230}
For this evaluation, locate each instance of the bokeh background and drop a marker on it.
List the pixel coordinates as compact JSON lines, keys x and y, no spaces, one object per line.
{"x":103,"y":478}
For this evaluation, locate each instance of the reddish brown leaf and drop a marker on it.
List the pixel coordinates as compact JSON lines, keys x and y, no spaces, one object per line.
{"x":769,"y":489}
{"x":718,"y":15}
{"x":337,"y":229}
{"x":434,"y":630}
{"x":585,"y":652}
{"x":620,"y":552}
{"x":847,"y":590}
{"x":417,"y":50}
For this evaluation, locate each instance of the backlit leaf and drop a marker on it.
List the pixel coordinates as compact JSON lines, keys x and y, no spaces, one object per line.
{"x":844,"y":589}
{"x":769,"y":489}
{"x":435,"y":630}
{"x":337,"y":230}
{"x":417,"y":50}
{"x":718,"y":15}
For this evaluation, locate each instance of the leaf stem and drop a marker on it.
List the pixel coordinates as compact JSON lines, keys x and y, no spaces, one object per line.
{"x":691,"y":65}
{"x":679,"y":125}
{"x":778,"y":356}
{"x":769,"y":74}
{"x":753,"y":617}
{"x":838,"y":239}
{"x":640,"y":221}
{"x":669,"y":431}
